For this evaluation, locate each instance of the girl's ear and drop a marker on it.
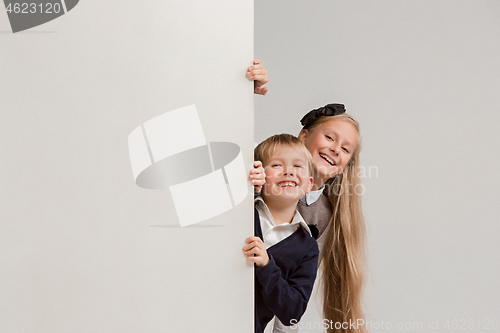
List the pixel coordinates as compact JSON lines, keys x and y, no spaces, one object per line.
{"x":311,"y":182}
{"x":303,"y":135}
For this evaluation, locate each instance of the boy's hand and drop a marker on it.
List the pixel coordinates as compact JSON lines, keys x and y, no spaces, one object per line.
{"x":256,"y":246}
{"x":258,"y":74}
{"x":257,"y":176}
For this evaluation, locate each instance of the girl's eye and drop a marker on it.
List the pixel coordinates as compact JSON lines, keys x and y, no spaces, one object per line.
{"x":275,"y":165}
{"x":345,"y":149}
{"x":298,"y":166}
{"x":329,"y":137}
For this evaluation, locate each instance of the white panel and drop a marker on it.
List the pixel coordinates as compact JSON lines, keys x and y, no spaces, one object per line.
{"x":174,"y":132}
{"x":236,"y":176}
{"x":201,"y":198}
{"x":83,"y":248}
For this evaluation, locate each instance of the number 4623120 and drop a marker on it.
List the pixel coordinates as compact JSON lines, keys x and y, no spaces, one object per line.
{"x":32,"y":8}
{"x":463,"y":324}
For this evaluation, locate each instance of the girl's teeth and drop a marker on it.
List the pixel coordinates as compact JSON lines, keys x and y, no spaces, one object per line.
{"x":327,"y":159}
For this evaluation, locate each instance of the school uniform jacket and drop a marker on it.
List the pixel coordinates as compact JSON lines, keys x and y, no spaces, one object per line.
{"x":284,"y":285}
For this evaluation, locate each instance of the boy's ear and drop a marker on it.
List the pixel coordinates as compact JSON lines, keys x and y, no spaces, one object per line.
{"x":303,"y":135}
{"x":311,"y":182}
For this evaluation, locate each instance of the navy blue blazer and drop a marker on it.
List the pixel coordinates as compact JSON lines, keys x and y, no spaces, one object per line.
{"x":284,"y":285}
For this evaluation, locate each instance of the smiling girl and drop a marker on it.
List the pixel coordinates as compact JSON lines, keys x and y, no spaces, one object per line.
{"x":334,"y":209}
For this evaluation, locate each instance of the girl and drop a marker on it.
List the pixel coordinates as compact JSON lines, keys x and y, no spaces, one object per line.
{"x":333,"y":139}
{"x":333,"y":210}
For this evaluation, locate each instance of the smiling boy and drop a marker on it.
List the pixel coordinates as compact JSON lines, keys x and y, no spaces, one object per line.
{"x":283,"y":250}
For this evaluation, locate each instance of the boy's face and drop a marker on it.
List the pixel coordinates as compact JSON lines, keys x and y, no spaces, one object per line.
{"x":287,"y":176}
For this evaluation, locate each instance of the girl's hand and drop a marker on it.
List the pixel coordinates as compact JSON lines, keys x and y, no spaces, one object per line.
{"x":257,"y":176}
{"x":258,"y":74}
{"x":256,"y":246}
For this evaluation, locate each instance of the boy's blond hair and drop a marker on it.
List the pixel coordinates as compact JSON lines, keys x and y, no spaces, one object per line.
{"x":268,"y":148}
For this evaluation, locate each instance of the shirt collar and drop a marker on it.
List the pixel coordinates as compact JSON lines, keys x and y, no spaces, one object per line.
{"x":313,"y":196}
{"x":262,"y":208}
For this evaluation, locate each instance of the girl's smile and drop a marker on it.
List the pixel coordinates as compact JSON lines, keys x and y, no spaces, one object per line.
{"x":328,"y":159}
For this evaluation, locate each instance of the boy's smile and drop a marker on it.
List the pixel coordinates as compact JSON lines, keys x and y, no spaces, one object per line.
{"x":287,"y":175}
{"x":287,"y":183}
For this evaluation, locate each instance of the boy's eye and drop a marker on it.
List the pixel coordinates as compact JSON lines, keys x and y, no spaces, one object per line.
{"x":329,"y":137}
{"x":298,"y":166}
{"x":275,"y":165}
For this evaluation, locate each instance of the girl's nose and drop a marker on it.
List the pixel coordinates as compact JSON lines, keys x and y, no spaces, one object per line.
{"x":335,"y":148}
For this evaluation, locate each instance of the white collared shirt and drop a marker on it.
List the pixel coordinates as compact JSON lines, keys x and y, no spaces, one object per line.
{"x":273,"y":233}
{"x":313,"y":196}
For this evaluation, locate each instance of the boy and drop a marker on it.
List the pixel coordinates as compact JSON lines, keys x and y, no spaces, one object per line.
{"x":283,"y":250}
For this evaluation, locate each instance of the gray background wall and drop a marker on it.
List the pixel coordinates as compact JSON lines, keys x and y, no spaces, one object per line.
{"x":423,"y":79}
{"x":82,"y":248}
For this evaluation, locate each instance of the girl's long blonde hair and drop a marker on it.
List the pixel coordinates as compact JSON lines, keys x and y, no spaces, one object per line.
{"x":343,"y":257}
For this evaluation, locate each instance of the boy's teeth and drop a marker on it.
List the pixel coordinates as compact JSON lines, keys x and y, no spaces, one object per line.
{"x":327,"y":158}
{"x":287,"y":184}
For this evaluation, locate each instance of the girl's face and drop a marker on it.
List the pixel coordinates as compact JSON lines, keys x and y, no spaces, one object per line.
{"x":331,"y":145}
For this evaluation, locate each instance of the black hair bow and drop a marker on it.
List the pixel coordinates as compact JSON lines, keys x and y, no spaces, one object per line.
{"x":327,"y":110}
